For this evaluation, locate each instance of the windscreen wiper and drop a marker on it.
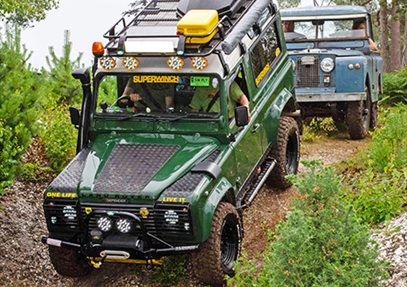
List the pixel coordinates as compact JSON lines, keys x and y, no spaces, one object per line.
{"x":192,"y":115}
{"x":141,"y":115}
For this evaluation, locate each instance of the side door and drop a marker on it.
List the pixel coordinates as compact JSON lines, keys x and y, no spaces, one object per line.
{"x":248,"y":149}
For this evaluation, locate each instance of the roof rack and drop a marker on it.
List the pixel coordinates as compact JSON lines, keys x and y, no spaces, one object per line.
{"x":164,"y":13}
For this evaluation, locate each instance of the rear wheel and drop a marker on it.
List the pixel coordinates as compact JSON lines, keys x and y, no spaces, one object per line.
{"x":68,"y":262}
{"x":216,"y":256}
{"x":286,"y":152}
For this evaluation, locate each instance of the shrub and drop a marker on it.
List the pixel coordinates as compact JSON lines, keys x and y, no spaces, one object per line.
{"x":378,"y":185}
{"x":321,"y":243}
{"x":19,"y":104}
{"x":59,"y":137}
{"x":395,"y":87}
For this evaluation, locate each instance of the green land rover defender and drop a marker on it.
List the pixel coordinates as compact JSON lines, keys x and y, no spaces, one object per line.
{"x":187,"y":112}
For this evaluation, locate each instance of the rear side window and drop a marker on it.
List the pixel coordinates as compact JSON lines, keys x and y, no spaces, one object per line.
{"x":265,"y":52}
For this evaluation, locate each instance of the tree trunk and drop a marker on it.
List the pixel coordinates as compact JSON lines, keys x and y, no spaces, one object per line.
{"x":395,"y":37}
{"x":384,"y":32}
{"x":404,"y":61}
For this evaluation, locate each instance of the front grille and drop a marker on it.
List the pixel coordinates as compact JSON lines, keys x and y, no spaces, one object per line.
{"x":308,"y":75}
{"x":61,"y":215}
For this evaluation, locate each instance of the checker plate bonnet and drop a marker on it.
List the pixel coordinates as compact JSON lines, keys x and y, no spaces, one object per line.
{"x":130,"y":167}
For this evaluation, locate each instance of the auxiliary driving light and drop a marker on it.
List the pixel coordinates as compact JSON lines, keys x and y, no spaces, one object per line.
{"x":107,"y":63}
{"x":130,"y":63}
{"x":104,"y":224}
{"x":175,"y":63}
{"x":199,"y":63}
{"x":123,"y":225}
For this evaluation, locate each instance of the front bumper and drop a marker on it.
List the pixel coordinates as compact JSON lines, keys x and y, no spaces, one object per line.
{"x":164,"y":229}
{"x":329,"y":97}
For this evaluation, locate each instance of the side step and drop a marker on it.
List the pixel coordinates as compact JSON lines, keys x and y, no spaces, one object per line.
{"x":250,"y":190}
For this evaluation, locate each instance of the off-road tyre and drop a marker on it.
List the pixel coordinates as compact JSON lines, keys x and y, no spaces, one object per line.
{"x":68,"y":262}
{"x":216,"y":256}
{"x":358,"y":119}
{"x":286,"y":152}
{"x":373,"y":117}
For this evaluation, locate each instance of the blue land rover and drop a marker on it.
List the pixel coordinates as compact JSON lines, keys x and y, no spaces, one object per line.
{"x":338,"y":66}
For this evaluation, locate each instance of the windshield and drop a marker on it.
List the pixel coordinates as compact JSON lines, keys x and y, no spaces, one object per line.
{"x":325,"y":29}
{"x":158,"y":95}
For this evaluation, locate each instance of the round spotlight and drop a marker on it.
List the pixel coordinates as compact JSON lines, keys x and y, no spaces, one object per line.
{"x":123,"y":225}
{"x":107,"y":63}
{"x":327,"y":65}
{"x":130,"y":63}
{"x":175,"y":63}
{"x":199,"y":63}
{"x":105,"y":224}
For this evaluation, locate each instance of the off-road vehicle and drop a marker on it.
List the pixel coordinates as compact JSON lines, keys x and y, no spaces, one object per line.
{"x":338,"y":68}
{"x":188,"y":113}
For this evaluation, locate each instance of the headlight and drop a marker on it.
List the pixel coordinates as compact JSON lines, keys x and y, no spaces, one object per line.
{"x":104,"y":224}
{"x":327,"y":65}
{"x":123,"y":225}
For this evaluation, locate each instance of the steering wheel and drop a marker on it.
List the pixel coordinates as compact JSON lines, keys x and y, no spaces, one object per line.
{"x":117,"y":101}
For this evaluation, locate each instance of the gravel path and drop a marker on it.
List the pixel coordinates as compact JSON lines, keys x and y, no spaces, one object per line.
{"x":25,"y":262}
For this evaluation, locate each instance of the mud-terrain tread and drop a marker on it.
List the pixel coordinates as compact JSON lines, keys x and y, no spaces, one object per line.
{"x":207,"y":261}
{"x":278,"y":152}
{"x":68,"y":262}
{"x":354,"y":118}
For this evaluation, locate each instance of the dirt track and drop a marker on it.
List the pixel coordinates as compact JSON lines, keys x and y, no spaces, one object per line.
{"x":24,"y":260}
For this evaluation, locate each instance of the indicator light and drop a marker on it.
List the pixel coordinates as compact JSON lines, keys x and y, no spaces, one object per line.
{"x":357,"y":66}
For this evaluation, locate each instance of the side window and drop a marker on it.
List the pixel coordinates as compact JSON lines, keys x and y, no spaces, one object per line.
{"x":265,"y":52}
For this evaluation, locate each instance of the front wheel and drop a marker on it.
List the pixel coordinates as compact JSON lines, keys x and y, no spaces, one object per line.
{"x":358,"y":119}
{"x":68,"y":262}
{"x":286,"y":152}
{"x":216,"y":256}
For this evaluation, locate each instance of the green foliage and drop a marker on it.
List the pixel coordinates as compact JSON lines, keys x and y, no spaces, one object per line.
{"x":395,"y":87}
{"x":59,"y":137}
{"x":20,"y":94}
{"x":322,"y":242}
{"x":379,"y":184}
{"x":171,"y":272}
{"x":317,"y":128}
{"x":63,"y":88}
{"x":9,"y":151}
{"x":22,"y":12}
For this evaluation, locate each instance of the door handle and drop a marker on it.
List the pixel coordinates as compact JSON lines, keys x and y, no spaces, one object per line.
{"x":256,"y":127}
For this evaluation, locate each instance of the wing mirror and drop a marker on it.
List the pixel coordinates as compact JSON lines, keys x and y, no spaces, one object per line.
{"x":242,"y":116}
{"x":83,"y":75}
{"x":75,"y":116}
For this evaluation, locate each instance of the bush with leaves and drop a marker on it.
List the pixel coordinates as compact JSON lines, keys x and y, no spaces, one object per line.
{"x":378,"y":177}
{"x":20,"y":95}
{"x":322,"y":242}
{"x":395,"y":87}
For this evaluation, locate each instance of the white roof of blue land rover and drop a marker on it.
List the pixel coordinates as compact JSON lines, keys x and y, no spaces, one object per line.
{"x":323,"y":11}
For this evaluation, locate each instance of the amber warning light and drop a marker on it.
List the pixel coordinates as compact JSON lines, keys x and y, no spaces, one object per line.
{"x":97,"y":49}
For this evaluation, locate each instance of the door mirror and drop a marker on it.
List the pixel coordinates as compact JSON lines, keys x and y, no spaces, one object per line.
{"x":242,"y":116}
{"x":75,"y":116}
{"x":83,"y":75}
